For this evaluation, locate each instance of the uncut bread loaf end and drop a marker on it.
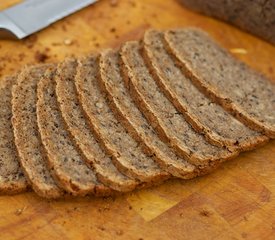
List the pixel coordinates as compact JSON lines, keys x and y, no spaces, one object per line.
{"x":256,"y":17}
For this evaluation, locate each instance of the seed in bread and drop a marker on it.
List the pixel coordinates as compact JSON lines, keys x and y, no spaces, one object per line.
{"x":206,"y":116}
{"x":247,"y":94}
{"x":169,"y":123}
{"x":26,"y":133}
{"x":81,"y":133}
{"x":65,"y":161}
{"x":126,"y":152}
{"x":12,"y":179}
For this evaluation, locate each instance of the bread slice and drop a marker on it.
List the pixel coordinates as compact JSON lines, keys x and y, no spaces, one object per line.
{"x":126,"y":153}
{"x":168,"y":122}
{"x":27,"y":139}
{"x":111,"y":81}
{"x":248,"y":95}
{"x":12,"y":179}
{"x":65,"y":161}
{"x":81,"y":133}
{"x":204,"y":115}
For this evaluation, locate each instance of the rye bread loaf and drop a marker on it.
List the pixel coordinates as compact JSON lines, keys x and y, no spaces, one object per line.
{"x":168,"y":122}
{"x":111,"y":81}
{"x":27,"y":139}
{"x":65,"y":161}
{"x":81,"y":133}
{"x":256,"y":17}
{"x":247,"y":94}
{"x":204,"y":115}
{"x":126,"y":153}
{"x":12,"y":179}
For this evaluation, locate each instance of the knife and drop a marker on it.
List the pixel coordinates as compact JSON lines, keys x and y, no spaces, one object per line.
{"x":30,"y":16}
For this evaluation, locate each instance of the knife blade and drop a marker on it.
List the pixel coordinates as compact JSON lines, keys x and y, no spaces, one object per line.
{"x":31,"y":16}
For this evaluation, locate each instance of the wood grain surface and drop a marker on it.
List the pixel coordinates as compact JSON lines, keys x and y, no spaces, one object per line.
{"x":237,"y":201}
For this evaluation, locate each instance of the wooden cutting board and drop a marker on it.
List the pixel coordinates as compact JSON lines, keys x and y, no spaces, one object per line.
{"x":237,"y":201}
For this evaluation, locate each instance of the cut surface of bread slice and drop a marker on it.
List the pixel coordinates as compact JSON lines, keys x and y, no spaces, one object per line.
{"x":168,"y":122}
{"x":12,"y":179}
{"x":204,"y":115}
{"x":112,"y":82}
{"x":26,"y":133}
{"x":248,"y":95}
{"x":127,"y":153}
{"x":79,"y":128}
{"x":63,"y":158}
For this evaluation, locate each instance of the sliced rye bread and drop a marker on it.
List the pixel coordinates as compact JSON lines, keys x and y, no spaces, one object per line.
{"x":81,"y":133}
{"x":12,"y":179}
{"x":126,"y":153}
{"x":27,"y":139}
{"x":245,"y":93}
{"x":65,"y":161}
{"x":112,"y":83}
{"x":168,"y":122}
{"x":207,"y":117}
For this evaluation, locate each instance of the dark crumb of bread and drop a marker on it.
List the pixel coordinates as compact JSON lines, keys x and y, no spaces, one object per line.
{"x":113,"y":29}
{"x":205,"y":213}
{"x":21,"y":56}
{"x":40,"y":57}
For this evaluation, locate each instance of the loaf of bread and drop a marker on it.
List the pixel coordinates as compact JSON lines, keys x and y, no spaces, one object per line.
{"x":124,"y":119}
{"x":256,"y":17}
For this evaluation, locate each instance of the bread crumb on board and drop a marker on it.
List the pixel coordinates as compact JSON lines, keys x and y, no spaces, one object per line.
{"x":68,"y":41}
{"x":19,"y":211}
{"x":40,"y":57}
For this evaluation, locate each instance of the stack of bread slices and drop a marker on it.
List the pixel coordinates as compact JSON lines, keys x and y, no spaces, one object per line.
{"x":174,"y":105}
